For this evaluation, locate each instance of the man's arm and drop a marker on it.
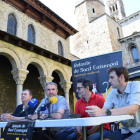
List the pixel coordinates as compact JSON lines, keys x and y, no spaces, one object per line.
{"x":58,"y":114}
{"x":95,"y":111}
{"x":10,"y":117}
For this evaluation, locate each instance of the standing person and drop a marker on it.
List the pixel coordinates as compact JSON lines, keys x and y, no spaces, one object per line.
{"x":88,"y":98}
{"x":59,"y":110}
{"x":125,"y":97}
{"x":26,"y":96}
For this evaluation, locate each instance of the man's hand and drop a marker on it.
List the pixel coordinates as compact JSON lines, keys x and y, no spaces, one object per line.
{"x":79,"y":135}
{"x":6,"y":116}
{"x":95,"y":111}
{"x":32,"y":117}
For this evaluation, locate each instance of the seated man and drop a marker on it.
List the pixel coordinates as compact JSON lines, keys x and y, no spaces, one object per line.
{"x":25,"y":97}
{"x":88,"y":98}
{"x":125,"y":97}
{"x":59,"y":110}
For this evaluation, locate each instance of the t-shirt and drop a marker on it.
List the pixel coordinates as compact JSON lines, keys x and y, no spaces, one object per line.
{"x":93,"y":100}
{"x":19,"y":108}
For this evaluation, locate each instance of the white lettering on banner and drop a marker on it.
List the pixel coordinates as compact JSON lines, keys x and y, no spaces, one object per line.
{"x":16,"y":126}
{"x":81,"y":64}
{"x":85,"y":69}
{"x":17,"y":130}
{"x":95,"y":67}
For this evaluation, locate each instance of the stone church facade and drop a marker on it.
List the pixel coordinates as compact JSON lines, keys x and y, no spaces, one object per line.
{"x":34,"y":50}
{"x":101,"y":33}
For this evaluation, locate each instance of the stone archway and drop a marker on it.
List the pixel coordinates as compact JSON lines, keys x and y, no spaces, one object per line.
{"x":7,"y":86}
{"x":36,"y":62}
{"x":13,"y":58}
{"x":60,"y":72}
{"x":33,"y":83}
{"x":65,"y":84}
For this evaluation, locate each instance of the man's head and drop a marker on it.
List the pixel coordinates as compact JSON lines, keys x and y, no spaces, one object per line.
{"x":51,"y":89}
{"x":118,"y":76}
{"x":84,"y":87}
{"x":26,"y":95}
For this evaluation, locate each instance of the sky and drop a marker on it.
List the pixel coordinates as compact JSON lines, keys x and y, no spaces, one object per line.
{"x":65,"y":8}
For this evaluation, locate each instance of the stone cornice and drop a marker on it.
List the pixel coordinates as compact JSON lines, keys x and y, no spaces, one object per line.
{"x":129,"y":37}
{"x":129,"y":17}
{"x":45,"y":16}
{"x":6,"y":37}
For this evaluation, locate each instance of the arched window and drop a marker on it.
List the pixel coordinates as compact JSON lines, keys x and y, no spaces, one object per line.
{"x":113,"y":8}
{"x":135,"y":54}
{"x":31,"y":34}
{"x":12,"y":24}
{"x":60,"y":49}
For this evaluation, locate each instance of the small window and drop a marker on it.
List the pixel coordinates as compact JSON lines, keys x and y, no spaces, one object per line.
{"x":31,"y":34}
{"x":135,"y":54}
{"x":118,"y":32}
{"x":113,"y":8}
{"x":60,"y":49}
{"x":12,"y":24}
{"x":110,"y":10}
{"x":93,"y":10}
{"x":116,"y":7}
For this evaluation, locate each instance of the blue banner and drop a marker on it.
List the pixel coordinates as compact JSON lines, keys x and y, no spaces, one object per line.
{"x":95,"y":68}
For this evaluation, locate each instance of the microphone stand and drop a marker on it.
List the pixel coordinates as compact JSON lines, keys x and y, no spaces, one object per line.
{"x":26,"y":114}
{"x":38,"y":114}
{"x":49,"y":116}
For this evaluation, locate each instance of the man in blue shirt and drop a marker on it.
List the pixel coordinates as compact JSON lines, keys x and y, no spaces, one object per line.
{"x":125,"y":97}
{"x":59,"y":110}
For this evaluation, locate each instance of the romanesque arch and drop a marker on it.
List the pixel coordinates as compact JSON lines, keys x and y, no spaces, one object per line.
{"x":13,"y":58}
{"x":60,"y":72}
{"x":36,"y":62}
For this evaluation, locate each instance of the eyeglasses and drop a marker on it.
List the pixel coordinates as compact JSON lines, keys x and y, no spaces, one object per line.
{"x":78,"y":88}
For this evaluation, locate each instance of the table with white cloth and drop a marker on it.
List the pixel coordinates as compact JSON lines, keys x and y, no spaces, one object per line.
{"x":83,"y":122}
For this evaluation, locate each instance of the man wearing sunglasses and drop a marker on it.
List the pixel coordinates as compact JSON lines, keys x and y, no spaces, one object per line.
{"x":88,"y":98}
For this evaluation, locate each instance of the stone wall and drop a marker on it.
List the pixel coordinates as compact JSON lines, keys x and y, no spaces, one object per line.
{"x":98,"y":37}
{"x":115,"y":32}
{"x":131,"y":24}
{"x":98,"y":7}
{"x":125,"y":46}
{"x":82,"y":15}
{"x":44,"y":37}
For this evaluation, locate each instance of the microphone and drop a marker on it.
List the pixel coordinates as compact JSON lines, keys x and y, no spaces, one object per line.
{"x":52,"y":100}
{"x":31,"y":104}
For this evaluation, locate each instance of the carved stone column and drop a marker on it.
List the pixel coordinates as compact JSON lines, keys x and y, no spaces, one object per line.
{"x":19,"y":76}
{"x":66,"y":85}
{"x":44,"y":80}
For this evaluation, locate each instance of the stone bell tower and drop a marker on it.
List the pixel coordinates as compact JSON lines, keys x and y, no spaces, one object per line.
{"x":116,"y":9}
{"x":88,"y":10}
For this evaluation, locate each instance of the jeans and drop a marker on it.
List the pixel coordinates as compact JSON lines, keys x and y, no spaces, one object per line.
{"x":94,"y":136}
{"x":117,"y":135}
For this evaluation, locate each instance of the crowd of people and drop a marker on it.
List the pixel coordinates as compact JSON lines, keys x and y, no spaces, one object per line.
{"x":124,"y":96}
